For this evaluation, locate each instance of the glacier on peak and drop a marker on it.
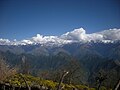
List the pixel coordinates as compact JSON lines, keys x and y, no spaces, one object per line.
{"x":77,"y":35}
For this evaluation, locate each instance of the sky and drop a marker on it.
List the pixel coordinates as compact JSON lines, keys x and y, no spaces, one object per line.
{"x":21,"y":19}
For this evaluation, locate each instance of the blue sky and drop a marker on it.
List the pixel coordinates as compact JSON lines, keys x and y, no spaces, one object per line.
{"x":25,"y":18}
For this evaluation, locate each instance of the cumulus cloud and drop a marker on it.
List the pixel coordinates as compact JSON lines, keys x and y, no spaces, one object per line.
{"x":4,"y":41}
{"x":38,"y":38}
{"x":94,"y":37}
{"x":77,"y":35}
{"x":44,"y":39}
{"x":111,"y":34}
{"x":26,"y":42}
{"x":49,"y":39}
{"x":80,"y":35}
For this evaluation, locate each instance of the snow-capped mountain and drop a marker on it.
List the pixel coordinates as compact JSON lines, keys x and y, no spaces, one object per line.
{"x":77,"y":35}
{"x":93,"y":52}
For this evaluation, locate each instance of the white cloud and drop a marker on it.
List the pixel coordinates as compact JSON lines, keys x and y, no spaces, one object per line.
{"x":80,"y":35}
{"x":38,"y":38}
{"x":49,"y":40}
{"x":76,"y":35}
{"x":111,"y":34}
{"x":4,"y":41}
{"x":26,"y":42}
{"x":44,"y":39}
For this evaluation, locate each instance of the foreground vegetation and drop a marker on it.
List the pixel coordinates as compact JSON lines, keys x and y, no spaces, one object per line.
{"x":22,"y":80}
{"x":67,"y":77}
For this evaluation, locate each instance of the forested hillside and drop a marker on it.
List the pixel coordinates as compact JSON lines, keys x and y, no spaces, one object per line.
{"x":86,"y":63}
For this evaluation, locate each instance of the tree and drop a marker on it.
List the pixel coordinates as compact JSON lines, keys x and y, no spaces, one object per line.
{"x":5,"y":70}
{"x":25,"y":66}
{"x":117,"y":85}
{"x":75,"y":72}
{"x":100,"y":78}
{"x":61,"y":79}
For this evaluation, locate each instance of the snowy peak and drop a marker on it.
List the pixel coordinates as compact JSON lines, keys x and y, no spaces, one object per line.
{"x":77,"y":35}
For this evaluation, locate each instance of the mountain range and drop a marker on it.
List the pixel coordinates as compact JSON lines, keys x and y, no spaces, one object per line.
{"x":92,"y":53}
